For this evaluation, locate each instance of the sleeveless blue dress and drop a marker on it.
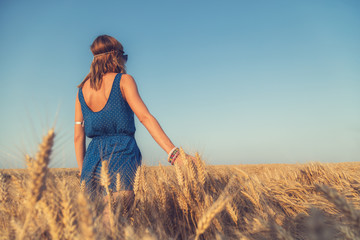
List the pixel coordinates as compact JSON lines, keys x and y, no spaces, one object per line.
{"x":112,"y":131}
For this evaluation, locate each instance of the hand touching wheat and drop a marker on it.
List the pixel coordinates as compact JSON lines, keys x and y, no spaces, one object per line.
{"x":180,"y":159}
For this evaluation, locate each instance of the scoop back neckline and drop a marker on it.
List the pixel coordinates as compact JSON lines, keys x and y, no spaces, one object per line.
{"x":107,"y":102}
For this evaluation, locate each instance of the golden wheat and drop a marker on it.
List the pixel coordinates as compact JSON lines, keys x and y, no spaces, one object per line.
{"x":38,"y":170}
{"x":86,"y":218}
{"x":105,"y":182}
{"x":68,"y":212}
{"x":118,"y":182}
{"x":205,"y":220}
{"x":189,"y":201}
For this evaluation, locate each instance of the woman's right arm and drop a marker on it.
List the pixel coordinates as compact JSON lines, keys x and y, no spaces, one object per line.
{"x":79,"y":135}
{"x":135,"y":102}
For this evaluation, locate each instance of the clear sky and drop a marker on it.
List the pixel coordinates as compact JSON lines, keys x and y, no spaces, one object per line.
{"x":237,"y":81}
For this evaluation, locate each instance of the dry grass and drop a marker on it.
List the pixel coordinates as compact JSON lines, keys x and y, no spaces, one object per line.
{"x":193,"y":201}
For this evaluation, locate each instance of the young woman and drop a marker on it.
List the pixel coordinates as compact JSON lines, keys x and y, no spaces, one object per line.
{"x":104,"y":111}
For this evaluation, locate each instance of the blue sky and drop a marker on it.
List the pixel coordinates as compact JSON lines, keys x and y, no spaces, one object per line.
{"x":237,"y":81}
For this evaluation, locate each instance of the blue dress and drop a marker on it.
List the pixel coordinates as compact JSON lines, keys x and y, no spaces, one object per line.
{"x":112,"y":131}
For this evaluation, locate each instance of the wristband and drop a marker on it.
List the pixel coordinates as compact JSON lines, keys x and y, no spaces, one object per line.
{"x":80,"y":123}
{"x":171,"y":151}
{"x":174,"y":153}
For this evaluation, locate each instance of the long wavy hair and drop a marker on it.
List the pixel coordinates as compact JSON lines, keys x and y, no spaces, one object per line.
{"x":108,"y":54}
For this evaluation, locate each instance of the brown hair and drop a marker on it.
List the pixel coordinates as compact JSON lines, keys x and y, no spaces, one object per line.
{"x":107,"y":53}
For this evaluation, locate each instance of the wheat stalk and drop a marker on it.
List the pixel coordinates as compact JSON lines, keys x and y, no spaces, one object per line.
{"x":3,"y":189}
{"x":38,"y":170}
{"x":348,"y":233}
{"x":182,"y":202}
{"x":179,"y":175}
{"x":187,"y":210}
{"x":341,"y":203}
{"x":105,"y":182}
{"x":205,"y":220}
{"x":82,"y":186}
{"x":86,"y":222}
{"x":200,"y":169}
{"x":280,"y":232}
{"x":55,"y":228}
{"x":163,"y":196}
{"x":230,"y":208}
{"x":118,"y":182}
{"x":104,"y":176}
{"x":69,"y":215}
{"x":164,"y":174}
{"x":137,"y":180}
{"x":29,"y":161}
{"x":16,"y":227}
{"x":144,"y":183}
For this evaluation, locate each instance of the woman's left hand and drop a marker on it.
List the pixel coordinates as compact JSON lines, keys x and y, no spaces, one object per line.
{"x":179,"y":159}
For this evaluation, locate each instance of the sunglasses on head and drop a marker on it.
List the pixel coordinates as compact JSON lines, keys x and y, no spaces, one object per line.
{"x":125,"y":57}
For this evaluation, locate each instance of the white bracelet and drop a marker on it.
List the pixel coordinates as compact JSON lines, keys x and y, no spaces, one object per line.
{"x":81,"y":123}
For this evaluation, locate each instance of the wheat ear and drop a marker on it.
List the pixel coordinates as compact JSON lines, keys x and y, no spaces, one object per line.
{"x":163,"y":196}
{"x":182,"y":200}
{"x":3,"y":189}
{"x":69,"y":215}
{"x":38,"y":170}
{"x":82,"y":186}
{"x":205,"y":220}
{"x":281,"y":233}
{"x":86,"y":222}
{"x":164,"y":174}
{"x":118,"y":182}
{"x":200,"y":169}
{"x":144,"y":182}
{"x":137,"y":180}
{"x":179,"y":175}
{"x":341,"y":203}
{"x":105,"y":182}
{"x":231,"y":209}
{"x":55,"y":229}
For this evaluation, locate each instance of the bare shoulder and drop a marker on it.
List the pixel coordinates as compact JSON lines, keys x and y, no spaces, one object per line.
{"x":127,"y":80}
{"x":85,"y":86}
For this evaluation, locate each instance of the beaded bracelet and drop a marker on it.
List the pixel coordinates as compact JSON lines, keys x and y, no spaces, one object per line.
{"x":174,"y":153}
{"x":171,"y":151}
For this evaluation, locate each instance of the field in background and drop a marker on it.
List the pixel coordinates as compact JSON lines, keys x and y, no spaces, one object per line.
{"x":194,"y":201}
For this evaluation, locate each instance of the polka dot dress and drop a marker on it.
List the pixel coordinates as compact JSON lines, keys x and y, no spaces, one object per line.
{"x":112,"y":131}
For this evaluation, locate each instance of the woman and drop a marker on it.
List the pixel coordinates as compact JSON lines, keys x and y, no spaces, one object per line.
{"x":104,"y":111}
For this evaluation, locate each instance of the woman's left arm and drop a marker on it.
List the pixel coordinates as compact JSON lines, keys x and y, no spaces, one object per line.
{"x":79,"y":135}
{"x":135,"y":102}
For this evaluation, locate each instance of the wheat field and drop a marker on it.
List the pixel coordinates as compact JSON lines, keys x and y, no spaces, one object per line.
{"x":192,"y":201}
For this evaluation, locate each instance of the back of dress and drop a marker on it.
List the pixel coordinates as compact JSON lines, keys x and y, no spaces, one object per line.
{"x":115,"y":118}
{"x":112,"y":131}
